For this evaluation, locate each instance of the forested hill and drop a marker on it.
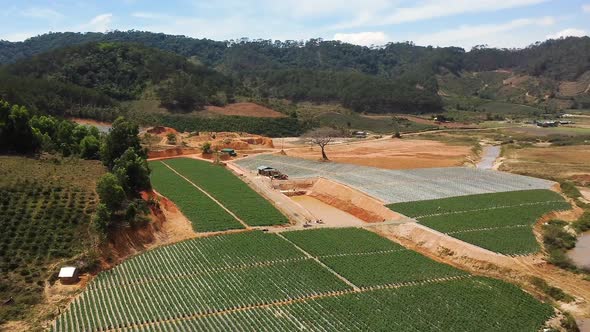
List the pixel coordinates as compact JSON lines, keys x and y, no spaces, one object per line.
{"x":563,"y":59}
{"x":56,"y":72}
{"x":102,"y":74}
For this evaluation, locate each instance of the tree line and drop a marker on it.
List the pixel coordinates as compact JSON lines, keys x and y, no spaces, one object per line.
{"x":119,"y":150}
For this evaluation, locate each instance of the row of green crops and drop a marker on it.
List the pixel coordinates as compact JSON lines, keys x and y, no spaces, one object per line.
{"x":324,"y":242}
{"x":232,"y":192}
{"x":475,"y":202}
{"x":245,"y":281}
{"x":209,"y":254}
{"x":500,"y":222}
{"x":389,"y":262}
{"x":474,"y":304}
{"x":204,"y":214}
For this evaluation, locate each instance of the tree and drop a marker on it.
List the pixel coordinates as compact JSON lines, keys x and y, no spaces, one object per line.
{"x":206,"y":147}
{"x":111,"y":192}
{"x":396,"y":131}
{"x":133,"y":172}
{"x":171,"y":138}
{"x":101,"y":219}
{"x":16,"y":133}
{"x":89,"y":147}
{"x":322,"y":137}
{"x":123,"y":135}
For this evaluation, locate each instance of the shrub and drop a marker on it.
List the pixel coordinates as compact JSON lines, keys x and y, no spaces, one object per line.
{"x":553,"y":292}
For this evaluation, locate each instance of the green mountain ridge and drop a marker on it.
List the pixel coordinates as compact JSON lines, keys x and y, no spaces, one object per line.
{"x":90,"y":74}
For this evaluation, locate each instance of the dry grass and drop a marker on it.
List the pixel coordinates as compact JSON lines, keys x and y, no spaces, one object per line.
{"x":552,"y":162}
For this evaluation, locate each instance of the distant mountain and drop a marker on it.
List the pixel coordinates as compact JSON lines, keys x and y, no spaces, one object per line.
{"x":398,"y":77}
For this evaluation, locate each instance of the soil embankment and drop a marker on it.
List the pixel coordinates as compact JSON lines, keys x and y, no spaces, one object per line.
{"x":351,"y":201}
{"x":167,"y":225}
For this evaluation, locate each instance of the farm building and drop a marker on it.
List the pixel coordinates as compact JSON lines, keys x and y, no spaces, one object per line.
{"x":68,"y":275}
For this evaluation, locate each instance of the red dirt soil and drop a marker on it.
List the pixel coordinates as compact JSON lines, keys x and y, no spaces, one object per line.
{"x":162,"y":131}
{"x":391,"y":153}
{"x":245,"y":109}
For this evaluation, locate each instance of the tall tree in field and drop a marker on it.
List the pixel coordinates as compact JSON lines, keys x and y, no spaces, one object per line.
{"x":322,"y":137}
{"x":123,"y":135}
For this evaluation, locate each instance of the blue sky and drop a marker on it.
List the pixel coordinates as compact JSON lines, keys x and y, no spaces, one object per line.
{"x":464,"y":23}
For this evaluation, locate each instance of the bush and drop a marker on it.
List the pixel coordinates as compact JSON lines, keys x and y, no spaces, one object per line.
{"x":556,"y":237}
{"x":570,"y":190}
{"x":553,"y":292}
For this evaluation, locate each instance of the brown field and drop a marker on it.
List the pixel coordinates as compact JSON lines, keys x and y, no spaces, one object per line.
{"x":557,"y":162}
{"x":245,"y":109}
{"x":391,"y":153}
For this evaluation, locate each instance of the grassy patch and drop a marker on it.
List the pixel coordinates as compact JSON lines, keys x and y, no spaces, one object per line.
{"x":553,"y":292}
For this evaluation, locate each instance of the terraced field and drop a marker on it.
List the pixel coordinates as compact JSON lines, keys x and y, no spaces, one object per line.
{"x":395,"y":186}
{"x":178,"y":180}
{"x":256,"y":281}
{"x":500,"y":222}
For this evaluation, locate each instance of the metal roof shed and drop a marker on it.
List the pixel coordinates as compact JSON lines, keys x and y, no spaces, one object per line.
{"x":68,"y":275}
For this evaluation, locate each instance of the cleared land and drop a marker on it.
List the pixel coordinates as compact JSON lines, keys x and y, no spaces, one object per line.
{"x":394,"y":186}
{"x":254,"y":281}
{"x":500,"y":222}
{"x":391,"y":154}
{"x":205,"y":214}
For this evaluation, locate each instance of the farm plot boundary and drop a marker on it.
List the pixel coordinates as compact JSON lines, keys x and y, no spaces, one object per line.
{"x":204,"y":214}
{"x":310,"y":293}
{"x":500,"y":222}
{"x":396,"y":186}
{"x":229,"y":191}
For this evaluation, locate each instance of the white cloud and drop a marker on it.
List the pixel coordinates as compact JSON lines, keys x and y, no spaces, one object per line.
{"x":467,"y":36}
{"x":586,"y":8}
{"x":570,"y":32}
{"x":363,"y":38}
{"x":19,"y":36}
{"x":42,"y":13}
{"x":148,"y":15}
{"x":100,"y":23}
{"x":430,"y":9}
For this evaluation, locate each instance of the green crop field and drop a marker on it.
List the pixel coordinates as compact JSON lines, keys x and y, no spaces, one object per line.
{"x":204,"y":214}
{"x":500,"y":222}
{"x":232,"y":192}
{"x":45,"y":210}
{"x":456,"y":305}
{"x":255,"y":281}
{"x":367,"y":259}
{"x":474,"y":202}
{"x":389,"y":268}
{"x":326,"y":242}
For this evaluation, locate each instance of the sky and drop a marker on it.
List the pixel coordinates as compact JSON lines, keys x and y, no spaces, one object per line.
{"x":463,"y":23}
